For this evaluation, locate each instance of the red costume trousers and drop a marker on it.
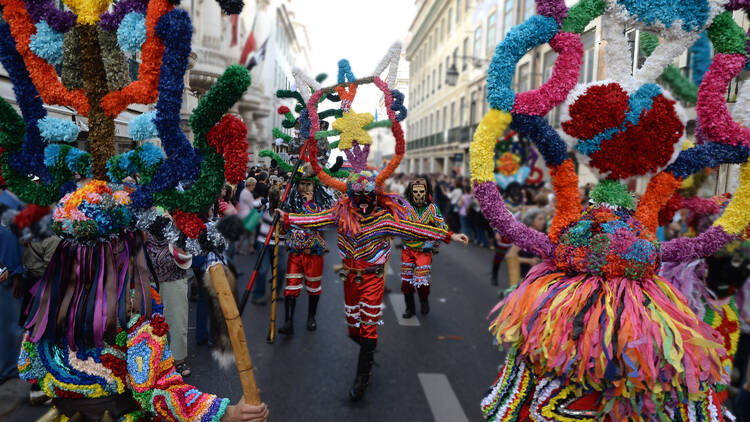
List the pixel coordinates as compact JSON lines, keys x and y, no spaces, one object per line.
{"x":416,"y":267}
{"x":363,"y":300}
{"x":303,"y":266}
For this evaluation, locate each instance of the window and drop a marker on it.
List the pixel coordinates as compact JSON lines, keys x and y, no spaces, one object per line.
{"x":440,"y":76}
{"x":445,"y":117}
{"x":437,"y":120}
{"x":507,"y":16}
{"x":466,"y":8}
{"x":429,"y":128}
{"x":473,"y":108}
{"x":442,"y":29}
{"x":434,"y":41}
{"x":466,"y":52}
{"x":485,"y":103}
{"x":461,"y":111}
{"x":523,"y":78}
{"x":491,"y":24}
{"x":529,"y":9}
{"x":447,"y":65}
{"x":427,"y":88}
{"x":458,"y":11}
{"x":450,"y":20}
{"x":455,"y":57}
{"x":478,"y":41}
{"x":453,"y":114}
{"x":433,"y":80}
{"x":587,"y":71}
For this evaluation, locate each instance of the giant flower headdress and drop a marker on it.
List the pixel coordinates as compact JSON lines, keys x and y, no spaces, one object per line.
{"x":616,"y":322}
{"x":88,"y":45}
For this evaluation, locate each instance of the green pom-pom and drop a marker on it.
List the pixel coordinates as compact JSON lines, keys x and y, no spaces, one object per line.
{"x":680,"y":86}
{"x":649,"y":42}
{"x":121,"y":339}
{"x":581,"y":14}
{"x":726,"y":36}
{"x":614,"y":193}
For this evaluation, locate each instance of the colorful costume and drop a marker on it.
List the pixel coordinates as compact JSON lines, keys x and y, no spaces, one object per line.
{"x":96,"y":342}
{"x":366,"y":217}
{"x":416,"y":256}
{"x":593,"y":332}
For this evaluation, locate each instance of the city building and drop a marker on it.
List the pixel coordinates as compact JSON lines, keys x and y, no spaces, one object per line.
{"x":383,"y":143}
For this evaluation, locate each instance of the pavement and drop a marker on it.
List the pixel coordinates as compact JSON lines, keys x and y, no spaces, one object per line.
{"x":428,"y":368}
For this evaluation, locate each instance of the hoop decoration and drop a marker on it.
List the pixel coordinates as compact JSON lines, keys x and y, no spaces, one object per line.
{"x":352,"y":127}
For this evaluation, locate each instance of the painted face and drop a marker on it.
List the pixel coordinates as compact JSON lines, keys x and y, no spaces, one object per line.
{"x":305,"y":186}
{"x":364,"y":201}
{"x":419,"y":194}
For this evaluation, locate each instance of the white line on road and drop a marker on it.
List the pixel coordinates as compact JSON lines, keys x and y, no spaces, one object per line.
{"x":389,"y":270}
{"x":441,"y":398}
{"x":398,"y":306}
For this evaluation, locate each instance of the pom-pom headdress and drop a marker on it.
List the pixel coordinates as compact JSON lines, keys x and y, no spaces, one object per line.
{"x":598,"y":285}
{"x":352,"y":127}
{"x":89,"y":42}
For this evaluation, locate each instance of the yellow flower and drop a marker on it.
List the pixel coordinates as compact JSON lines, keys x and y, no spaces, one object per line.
{"x":737,"y":215}
{"x":482,"y":149}
{"x":88,"y":11}
{"x":351,"y":126}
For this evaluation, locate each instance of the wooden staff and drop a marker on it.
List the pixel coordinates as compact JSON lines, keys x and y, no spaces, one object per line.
{"x":274,"y":273}
{"x":236,"y":333}
{"x":514,"y":269}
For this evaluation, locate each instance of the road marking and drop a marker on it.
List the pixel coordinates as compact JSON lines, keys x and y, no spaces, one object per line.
{"x":389,"y":270}
{"x":398,"y":306}
{"x":441,"y":398}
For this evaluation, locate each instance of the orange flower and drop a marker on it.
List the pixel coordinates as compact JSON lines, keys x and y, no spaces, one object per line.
{"x":144,"y":90}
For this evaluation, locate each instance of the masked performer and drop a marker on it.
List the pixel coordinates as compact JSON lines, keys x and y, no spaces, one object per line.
{"x":367,"y":218}
{"x":96,"y":340}
{"x":306,"y":248}
{"x":416,"y":256}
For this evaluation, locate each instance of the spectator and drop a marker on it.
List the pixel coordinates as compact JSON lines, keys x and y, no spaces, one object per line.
{"x":11,"y":273}
{"x":463,"y":212}
{"x":455,"y":198}
{"x":246,"y":210}
{"x":9,"y":199}
{"x":264,"y":229}
{"x":536,"y":219}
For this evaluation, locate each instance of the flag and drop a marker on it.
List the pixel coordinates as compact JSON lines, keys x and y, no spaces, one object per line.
{"x":256,"y":57}
{"x":249,"y":46}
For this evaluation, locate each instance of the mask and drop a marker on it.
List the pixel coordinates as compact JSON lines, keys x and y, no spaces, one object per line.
{"x":419,"y":193}
{"x":365,"y":202}
{"x":305,"y":186}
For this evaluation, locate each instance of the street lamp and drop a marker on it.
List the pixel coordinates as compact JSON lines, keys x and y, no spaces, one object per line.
{"x":451,"y":75}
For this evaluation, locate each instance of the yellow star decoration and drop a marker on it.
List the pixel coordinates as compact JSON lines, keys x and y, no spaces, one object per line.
{"x":351,"y":126}
{"x":88,"y":11}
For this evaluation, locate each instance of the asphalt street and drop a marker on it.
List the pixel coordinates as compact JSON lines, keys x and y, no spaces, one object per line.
{"x":429,"y":368}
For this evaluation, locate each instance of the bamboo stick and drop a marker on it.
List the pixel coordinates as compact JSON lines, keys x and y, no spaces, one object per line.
{"x":274,"y":274}
{"x":236,"y":334}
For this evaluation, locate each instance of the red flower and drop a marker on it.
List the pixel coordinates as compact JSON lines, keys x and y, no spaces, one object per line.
{"x":601,"y":107}
{"x":229,"y":137}
{"x":30,"y":215}
{"x":117,"y":366}
{"x":159,"y":325}
{"x":283,"y":110}
{"x":188,"y":223}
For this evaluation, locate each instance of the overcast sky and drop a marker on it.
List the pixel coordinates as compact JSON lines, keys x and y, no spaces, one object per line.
{"x":358,"y":30}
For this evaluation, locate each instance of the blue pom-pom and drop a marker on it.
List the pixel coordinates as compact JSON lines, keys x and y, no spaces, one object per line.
{"x":73,"y":157}
{"x":58,"y":130}
{"x":142,"y":127}
{"x":150,"y":154}
{"x":47,"y":43}
{"x":534,"y":31}
{"x":345,"y":71}
{"x":398,"y":105}
{"x":50,"y":155}
{"x":546,"y":139}
{"x":131,"y":33}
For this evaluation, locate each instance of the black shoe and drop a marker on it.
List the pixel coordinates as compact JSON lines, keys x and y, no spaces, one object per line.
{"x":312,"y":309}
{"x":288,"y":327}
{"x":410,"y":307}
{"x":424,"y":306}
{"x":364,"y":366}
